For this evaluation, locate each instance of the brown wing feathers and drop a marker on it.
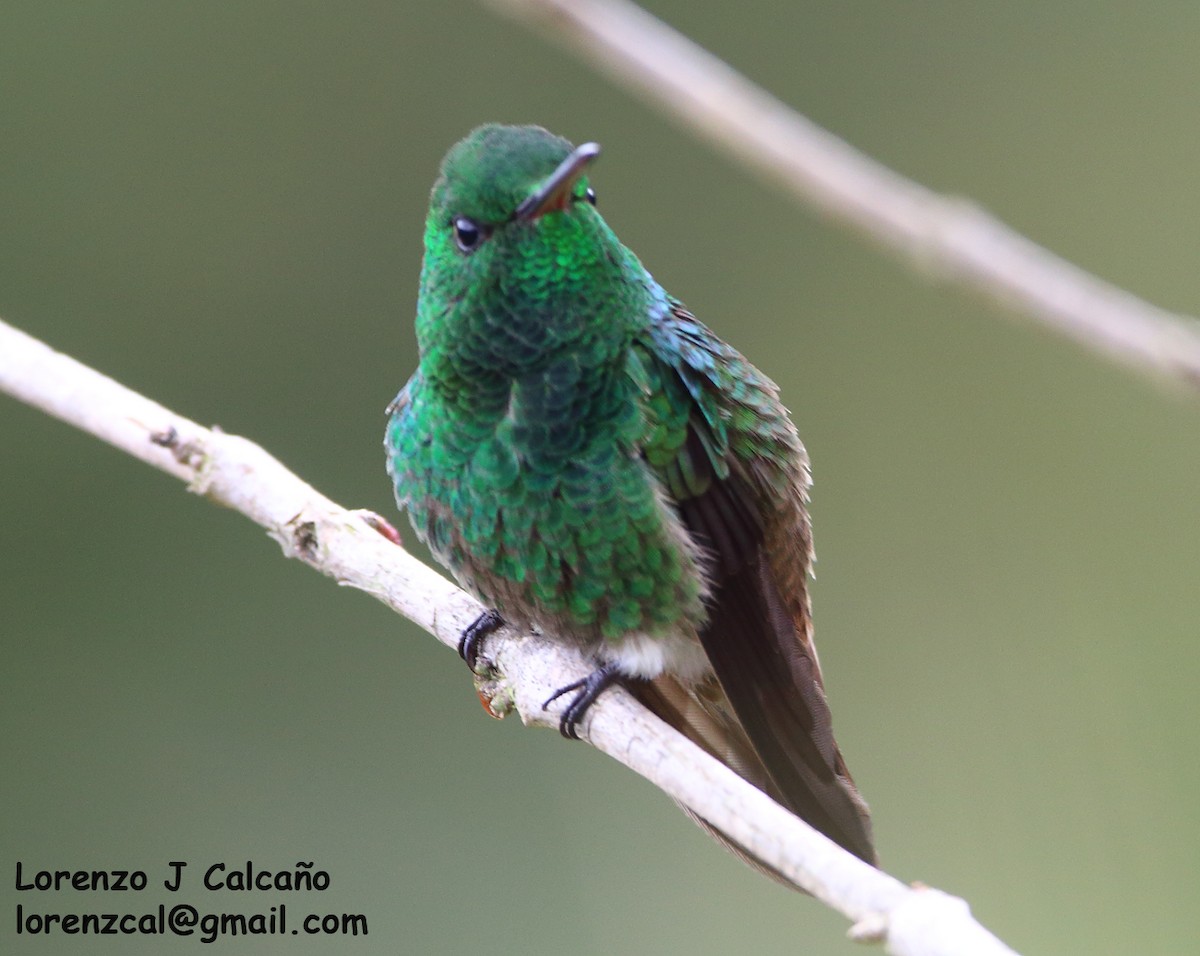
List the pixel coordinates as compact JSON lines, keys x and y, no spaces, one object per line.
{"x":757,"y":642}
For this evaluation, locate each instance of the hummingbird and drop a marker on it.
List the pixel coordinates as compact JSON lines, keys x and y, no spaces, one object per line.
{"x":587,"y":458}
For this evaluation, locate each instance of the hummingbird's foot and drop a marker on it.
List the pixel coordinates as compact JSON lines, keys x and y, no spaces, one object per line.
{"x":589,"y":688}
{"x":471,"y":642}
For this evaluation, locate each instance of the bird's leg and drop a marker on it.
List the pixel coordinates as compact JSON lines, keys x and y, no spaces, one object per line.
{"x":589,"y":688}
{"x":471,"y":642}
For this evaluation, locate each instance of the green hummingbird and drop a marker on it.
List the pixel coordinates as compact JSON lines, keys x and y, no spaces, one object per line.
{"x":587,"y":458}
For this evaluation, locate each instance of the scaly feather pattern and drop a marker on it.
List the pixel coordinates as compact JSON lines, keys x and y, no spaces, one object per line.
{"x":587,"y":457}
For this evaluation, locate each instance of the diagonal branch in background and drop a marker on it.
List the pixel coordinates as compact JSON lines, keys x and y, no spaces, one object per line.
{"x":946,"y":236}
{"x":239,"y":474}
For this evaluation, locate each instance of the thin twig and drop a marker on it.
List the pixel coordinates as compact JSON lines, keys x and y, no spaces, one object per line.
{"x":947,"y":236}
{"x":239,"y":474}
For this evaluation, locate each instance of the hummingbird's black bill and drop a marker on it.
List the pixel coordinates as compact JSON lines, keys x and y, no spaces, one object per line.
{"x":555,"y":192}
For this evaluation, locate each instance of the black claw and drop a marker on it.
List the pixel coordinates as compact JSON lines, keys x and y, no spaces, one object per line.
{"x":471,"y":642}
{"x":589,"y":688}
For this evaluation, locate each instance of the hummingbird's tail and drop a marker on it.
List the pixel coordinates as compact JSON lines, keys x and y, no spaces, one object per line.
{"x":764,"y":714}
{"x":703,"y":714}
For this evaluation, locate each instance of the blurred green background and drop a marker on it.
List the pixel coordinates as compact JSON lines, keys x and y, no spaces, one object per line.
{"x":221,"y":205}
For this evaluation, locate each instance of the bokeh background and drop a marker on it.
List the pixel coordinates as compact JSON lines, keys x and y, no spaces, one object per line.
{"x":221,"y":205}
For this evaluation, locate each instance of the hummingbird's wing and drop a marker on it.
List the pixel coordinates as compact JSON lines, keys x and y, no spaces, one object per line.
{"x":729,"y":456}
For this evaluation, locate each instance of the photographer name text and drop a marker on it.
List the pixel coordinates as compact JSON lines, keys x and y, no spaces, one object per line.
{"x":218,"y":876}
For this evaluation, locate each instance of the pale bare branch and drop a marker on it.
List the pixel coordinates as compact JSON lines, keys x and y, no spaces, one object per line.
{"x":946,"y":236}
{"x":239,"y":474}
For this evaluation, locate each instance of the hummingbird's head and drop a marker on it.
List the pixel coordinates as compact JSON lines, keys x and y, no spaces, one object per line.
{"x":517,"y":260}
{"x":499,"y":175}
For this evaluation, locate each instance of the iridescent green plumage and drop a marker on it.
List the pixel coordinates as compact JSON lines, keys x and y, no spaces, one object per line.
{"x":587,"y":457}
{"x":518,"y":452}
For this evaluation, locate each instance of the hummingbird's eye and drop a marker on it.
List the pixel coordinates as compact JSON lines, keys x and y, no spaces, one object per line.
{"x":468,"y":233}
{"x":590,"y":195}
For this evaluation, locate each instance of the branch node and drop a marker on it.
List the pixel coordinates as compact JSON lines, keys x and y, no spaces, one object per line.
{"x":304,"y":539}
{"x":869,"y":929}
{"x":496,"y":695}
{"x":381,"y":524}
{"x":189,"y":453}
